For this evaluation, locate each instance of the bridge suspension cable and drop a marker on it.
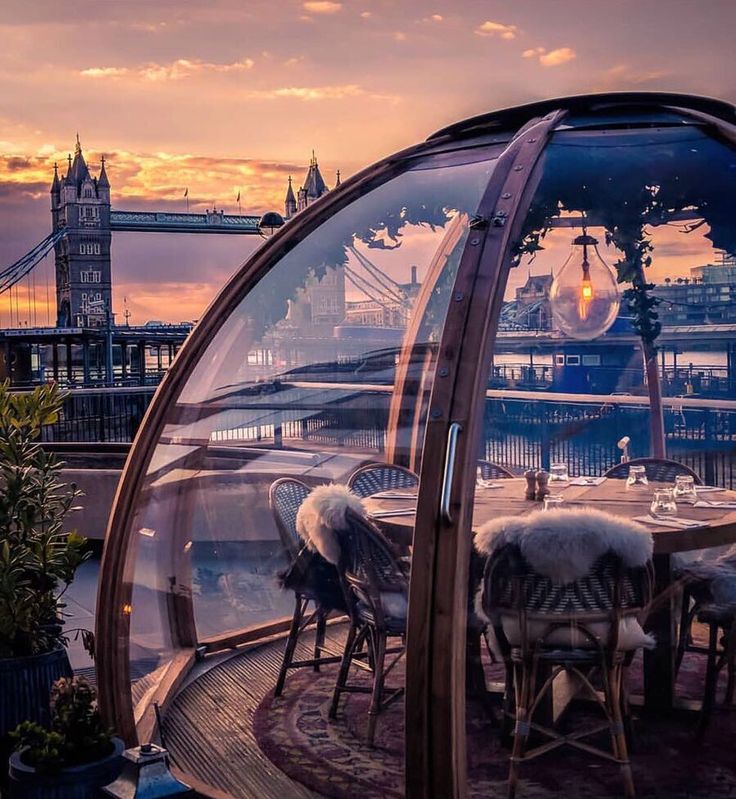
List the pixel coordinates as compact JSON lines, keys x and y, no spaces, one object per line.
{"x":18,"y":270}
{"x":387,"y":286}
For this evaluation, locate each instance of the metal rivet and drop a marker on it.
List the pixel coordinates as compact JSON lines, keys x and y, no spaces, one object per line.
{"x":505,"y":196}
{"x":474,"y":242}
{"x":443,"y":372}
{"x":530,"y":141}
{"x":518,"y":168}
{"x":436,"y":413}
{"x":459,"y":296}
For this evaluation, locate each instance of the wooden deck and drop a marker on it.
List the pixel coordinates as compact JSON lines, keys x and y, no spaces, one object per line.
{"x":208,"y":729}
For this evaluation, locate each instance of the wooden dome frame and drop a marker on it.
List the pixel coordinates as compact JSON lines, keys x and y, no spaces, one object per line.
{"x":435,"y":695}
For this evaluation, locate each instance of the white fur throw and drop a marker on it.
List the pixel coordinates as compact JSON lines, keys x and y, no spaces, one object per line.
{"x":564,"y":545}
{"x":322,"y":514}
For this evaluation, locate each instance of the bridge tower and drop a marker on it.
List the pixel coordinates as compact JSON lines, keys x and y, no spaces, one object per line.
{"x":81,"y":204}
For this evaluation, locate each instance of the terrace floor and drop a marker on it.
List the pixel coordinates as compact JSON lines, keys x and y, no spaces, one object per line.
{"x":226,"y":729}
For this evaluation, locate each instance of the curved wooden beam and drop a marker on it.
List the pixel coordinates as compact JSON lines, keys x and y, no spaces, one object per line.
{"x":435,"y":694}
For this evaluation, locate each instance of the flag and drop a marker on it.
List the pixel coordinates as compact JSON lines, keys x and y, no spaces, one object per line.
{"x":238,"y":200}
{"x":186,"y":191}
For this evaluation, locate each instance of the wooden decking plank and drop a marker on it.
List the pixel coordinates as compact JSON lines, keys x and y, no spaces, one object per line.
{"x":209,"y":733}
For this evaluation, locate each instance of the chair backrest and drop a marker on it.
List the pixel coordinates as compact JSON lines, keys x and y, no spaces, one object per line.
{"x":595,"y":602}
{"x":285,"y":497}
{"x":494,"y":471}
{"x":658,"y":470}
{"x":375,"y":477}
{"x":369,"y":565}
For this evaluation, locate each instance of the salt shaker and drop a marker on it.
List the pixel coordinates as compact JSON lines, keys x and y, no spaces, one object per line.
{"x":542,"y":485}
{"x":531,"y":483}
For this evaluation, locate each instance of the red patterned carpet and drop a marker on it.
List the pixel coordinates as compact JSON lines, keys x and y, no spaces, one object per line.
{"x":332,"y":758}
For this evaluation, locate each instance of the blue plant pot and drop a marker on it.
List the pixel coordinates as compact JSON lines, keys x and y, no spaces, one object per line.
{"x":76,"y":782}
{"x":25,"y":687}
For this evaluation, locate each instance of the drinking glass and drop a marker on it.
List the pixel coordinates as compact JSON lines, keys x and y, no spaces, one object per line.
{"x":558,"y":473}
{"x":685,"y":490}
{"x":553,"y":501}
{"x":637,"y":477}
{"x":663,"y":503}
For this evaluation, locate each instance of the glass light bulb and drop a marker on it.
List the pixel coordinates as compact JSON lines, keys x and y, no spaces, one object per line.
{"x":584,"y":296}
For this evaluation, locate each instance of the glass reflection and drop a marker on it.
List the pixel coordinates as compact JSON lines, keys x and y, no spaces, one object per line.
{"x":300,"y":382}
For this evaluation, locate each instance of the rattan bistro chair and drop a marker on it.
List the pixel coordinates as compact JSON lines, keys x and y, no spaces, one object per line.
{"x":544,"y":628}
{"x":308,"y":575}
{"x":494,"y":471}
{"x":376,"y":587}
{"x":375,"y":477}
{"x":658,"y":470}
{"x":703,"y":601}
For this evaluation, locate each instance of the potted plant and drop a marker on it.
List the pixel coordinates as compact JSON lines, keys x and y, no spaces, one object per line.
{"x":71,"y":758}
{"x":38,"y":558}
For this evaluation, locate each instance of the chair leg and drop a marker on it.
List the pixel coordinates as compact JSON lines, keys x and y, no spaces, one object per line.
{"x":711,"y":679}
{"x":686,"y":619}
{"x":618,"y":734}
{"x":291,"y":641}
{"x":379,"y":654}
{"x":319,"y":638}
{"x":524,"y":699}
{"x":508,"y":707}
{"x":352,"y":640}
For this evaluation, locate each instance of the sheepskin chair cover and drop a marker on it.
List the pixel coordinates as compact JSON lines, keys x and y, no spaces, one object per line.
{"x":323,"y":514}
{"x":564,"y":546}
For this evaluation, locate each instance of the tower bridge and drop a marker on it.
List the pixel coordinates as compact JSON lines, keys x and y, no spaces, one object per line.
{"x":82,"y":223}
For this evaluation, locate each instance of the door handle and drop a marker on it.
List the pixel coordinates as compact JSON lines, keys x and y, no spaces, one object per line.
{"x":451,"y":452}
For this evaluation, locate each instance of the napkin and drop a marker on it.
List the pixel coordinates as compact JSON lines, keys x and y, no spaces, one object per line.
{"x":714,"y":504}
{"x":587,"y":481}
{"x":394,"y":495}
{"x":671,"y":521}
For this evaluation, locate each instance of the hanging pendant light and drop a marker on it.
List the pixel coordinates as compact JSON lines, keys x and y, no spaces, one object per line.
{"x":584,"y":296}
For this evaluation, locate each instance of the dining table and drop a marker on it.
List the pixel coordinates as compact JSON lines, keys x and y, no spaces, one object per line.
{"x":706,"y":524}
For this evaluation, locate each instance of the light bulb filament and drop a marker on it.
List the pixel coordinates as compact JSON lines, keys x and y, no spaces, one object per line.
{"x":586,"y":289}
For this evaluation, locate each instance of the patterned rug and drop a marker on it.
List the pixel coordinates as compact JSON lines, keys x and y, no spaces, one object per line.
{"x":332,"y":758}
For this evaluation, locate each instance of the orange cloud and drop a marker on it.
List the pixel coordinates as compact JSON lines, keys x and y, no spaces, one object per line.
{"x":322,"y":7}
{"x":489,"y":28}
{"x":551,"y":58}
{"x":314,"y":93}
{"x":175,"y":70}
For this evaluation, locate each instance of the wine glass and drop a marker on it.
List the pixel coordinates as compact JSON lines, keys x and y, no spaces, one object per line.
{"x":663,"y":503}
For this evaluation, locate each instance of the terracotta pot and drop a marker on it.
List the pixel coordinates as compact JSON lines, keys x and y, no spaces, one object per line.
{"x":75,"y":782}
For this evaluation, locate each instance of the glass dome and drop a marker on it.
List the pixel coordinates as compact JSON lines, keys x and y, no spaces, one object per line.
{"x":400,"y":337}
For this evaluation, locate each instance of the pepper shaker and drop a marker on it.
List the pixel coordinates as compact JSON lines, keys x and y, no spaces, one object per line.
{"x":542,"y":485}
{"x":531,"y":483}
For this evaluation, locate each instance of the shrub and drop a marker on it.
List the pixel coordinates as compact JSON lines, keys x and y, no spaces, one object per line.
{"x":38,"y":558}
{"x":76,"y":734}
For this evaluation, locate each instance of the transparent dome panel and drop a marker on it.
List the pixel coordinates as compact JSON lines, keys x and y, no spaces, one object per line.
{"x":610,"y":392}
{"x":299,"y":383}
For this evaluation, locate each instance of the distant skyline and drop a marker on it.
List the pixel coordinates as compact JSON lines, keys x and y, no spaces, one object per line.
{"x":232,"y":96}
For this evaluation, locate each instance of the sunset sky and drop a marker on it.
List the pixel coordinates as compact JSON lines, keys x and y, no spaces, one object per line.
{"x":233,"y":95}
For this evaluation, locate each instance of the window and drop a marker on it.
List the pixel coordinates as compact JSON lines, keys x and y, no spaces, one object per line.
{"x":573,"y":360}
{"x":88,"y":192}
{"x":91,"y":276}
{"x":559,"y":360}
{"x":591,"y":360}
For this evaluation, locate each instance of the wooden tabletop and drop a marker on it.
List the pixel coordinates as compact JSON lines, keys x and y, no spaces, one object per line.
{"x":718,"y":526}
